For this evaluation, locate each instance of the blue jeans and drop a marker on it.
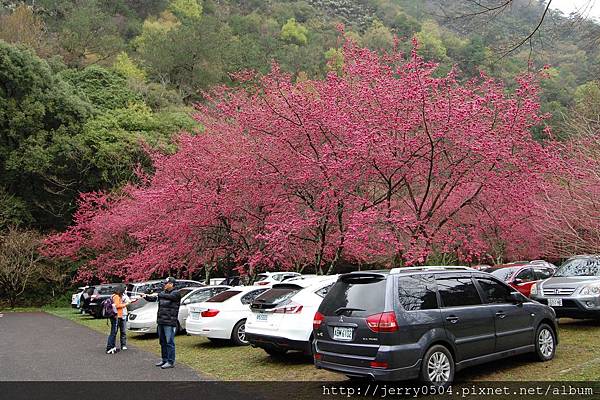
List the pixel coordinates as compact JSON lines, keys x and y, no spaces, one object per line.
{"x":166,"y":338}
{"x":117,"y":324}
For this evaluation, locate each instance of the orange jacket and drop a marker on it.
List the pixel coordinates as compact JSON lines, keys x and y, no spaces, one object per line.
{"x":119,"y":305}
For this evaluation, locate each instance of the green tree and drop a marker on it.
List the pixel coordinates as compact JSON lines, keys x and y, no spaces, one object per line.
{"x":128,"y":68}
{"x":378,"y":37}
{"x":103,"y":88}
{"x":88,"y":34}
{"x":39,"y":115}
{"x":431,"y":46}
{"x":294,"y":32}
{"x":186,"y":9}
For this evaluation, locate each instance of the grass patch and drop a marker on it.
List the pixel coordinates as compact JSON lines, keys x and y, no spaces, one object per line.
{"x":577,"y":357}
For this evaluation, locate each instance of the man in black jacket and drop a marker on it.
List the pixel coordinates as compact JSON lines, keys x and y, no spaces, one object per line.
{"x":167,"y":319}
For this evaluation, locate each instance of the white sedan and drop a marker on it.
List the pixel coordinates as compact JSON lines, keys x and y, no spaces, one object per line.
{"x":223,"y":317}
{"x":143,"y":319}
{"x":282,"y":318}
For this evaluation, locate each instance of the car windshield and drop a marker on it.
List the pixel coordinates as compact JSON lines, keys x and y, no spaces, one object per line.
{"x":184,"y":292}
{"x":504,"y":273}
{"x":104,"y":290}
{"x":580,"y":267}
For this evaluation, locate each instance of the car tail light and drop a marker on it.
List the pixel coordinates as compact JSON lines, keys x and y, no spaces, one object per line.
{"x":209,"y":313}
{"x":317,"y":320}
{"x":318,"y":356}
{"x":384,"y":322}
{"x":290,"y":308}
{"x":262,"y":283}
{"x":378,"y":364}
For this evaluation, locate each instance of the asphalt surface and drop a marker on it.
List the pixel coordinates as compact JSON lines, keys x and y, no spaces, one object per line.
{"x":43,"y":347}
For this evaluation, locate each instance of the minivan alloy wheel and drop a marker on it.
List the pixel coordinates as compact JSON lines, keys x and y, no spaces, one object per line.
{"x":438,"y":367}
{"x":546,"y":342}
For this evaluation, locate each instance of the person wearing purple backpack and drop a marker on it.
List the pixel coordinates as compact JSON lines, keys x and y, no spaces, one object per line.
{"x":117,"y":320}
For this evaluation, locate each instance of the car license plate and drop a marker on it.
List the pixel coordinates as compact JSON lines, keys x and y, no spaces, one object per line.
{"x":261,"y":317}
{"x":555,"y":302}
{"x":195,"y":315}
{"x":341,"y":333}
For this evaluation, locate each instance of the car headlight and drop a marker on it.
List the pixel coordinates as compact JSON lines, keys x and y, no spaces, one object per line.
{"x":590,"y":290}
{"x":534,"y":288}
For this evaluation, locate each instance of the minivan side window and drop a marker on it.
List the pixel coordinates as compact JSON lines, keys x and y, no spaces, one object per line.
{"x":417,"y":292}
{"x":458,"y":292}
{"x":493,"y":291}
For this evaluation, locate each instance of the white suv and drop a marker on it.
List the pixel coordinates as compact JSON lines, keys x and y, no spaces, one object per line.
{"x":268,"y":278}
{"x":282,"y":318}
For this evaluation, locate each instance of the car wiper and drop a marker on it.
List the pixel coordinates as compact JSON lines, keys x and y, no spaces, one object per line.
{"x":344,"y":309}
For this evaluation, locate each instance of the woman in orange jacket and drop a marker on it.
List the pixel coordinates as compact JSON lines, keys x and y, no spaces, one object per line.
{"x":117,"y":322}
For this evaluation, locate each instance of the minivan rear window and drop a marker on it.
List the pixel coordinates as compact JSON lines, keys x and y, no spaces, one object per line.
{"x":221,"y":297}
{"x":365,"y":295}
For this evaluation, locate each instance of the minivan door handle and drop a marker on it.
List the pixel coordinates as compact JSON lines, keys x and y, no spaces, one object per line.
{"x":452,"y":319}
{"x":501,"y":314}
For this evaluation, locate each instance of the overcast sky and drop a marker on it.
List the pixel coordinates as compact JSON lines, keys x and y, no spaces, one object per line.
{"x":588,"y":8}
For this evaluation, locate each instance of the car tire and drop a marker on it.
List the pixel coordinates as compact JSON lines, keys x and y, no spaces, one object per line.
{"x":545,"y":343}
{"x":273,"y":352}
{"x":178,"y":329}
{"x":238,"y":334}
{"x":437,"y":368}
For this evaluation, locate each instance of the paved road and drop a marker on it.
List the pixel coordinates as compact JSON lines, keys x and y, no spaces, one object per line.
{"x":43,"y":347}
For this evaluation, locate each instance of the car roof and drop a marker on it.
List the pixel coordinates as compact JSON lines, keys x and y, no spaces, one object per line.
{"x":411,"y":270}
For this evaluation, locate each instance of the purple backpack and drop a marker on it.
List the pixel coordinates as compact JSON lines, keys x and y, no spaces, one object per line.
{"x":108,"y":308}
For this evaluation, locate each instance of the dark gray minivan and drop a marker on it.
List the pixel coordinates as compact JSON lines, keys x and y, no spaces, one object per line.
{"x":426,"y":322}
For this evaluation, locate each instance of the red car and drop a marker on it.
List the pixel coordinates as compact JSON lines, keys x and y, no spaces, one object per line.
{"x":522,"y":276}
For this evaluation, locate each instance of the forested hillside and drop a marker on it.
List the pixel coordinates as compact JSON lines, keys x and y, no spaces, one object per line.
{"x":116,"y":73}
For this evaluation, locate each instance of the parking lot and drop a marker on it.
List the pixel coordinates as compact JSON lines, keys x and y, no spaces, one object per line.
{"x":577,"y":357}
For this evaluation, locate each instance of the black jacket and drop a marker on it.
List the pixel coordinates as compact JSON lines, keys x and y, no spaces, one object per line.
{"x":168,"y":307}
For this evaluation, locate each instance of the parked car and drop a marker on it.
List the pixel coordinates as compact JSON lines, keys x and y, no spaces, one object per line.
{"x":522,"y":276}
{"x":143,"y":320}
{"x":223,"y":317}
{"x":282,"y":317}
{"x":76,"y":297}
{"x":574,"y":289}
{"x":99,"y":294}
{"x":134,"y":290}
{"x":427,"y":323}
{"x":268,"y":278}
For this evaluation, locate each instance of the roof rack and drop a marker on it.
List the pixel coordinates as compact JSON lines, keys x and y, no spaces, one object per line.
{"x":430,"y":268}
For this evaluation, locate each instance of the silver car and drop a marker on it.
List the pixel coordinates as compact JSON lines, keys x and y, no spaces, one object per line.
{"x":143,"y":319}
{"x":574,"y":290}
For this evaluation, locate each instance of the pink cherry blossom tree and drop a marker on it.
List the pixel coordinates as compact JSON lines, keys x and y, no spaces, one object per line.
{"x":385,"y":162}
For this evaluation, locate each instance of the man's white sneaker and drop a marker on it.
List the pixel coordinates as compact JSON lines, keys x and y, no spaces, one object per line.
{"x":123,"y":347}
{"x":111,"y":351}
